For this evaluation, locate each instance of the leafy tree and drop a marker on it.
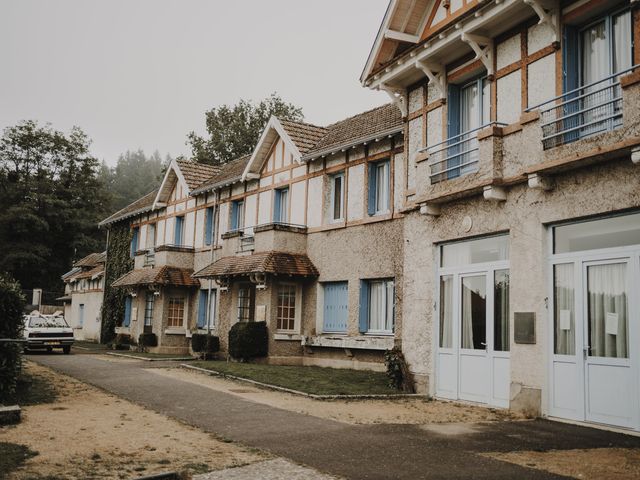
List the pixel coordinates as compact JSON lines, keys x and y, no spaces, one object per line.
{"x":11,"y":303}
{"x":233,"y":131}
{"x":134,"y":176}
{"x":52,"y":200}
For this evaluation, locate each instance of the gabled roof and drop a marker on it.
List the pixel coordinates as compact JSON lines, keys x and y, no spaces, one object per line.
{"x":142,"y":205}
{"x":157,"y":276}
{"x":299,"y":137}
{"x":275,"y":263}
{"x":195,"y":173}
{"x":91,"y":260}
{"x":185,"y":172}
{"x":229,"y":173}
{"x":364,"y":127}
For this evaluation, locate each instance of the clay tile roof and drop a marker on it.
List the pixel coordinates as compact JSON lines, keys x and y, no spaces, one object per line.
{"x":195,"y":173}
{"x":93,"y":272}
{"x":362,"y":127}
{"x":181,"y":277}
{"x":228,"y":173}
{"x":91,"y":260}
{"x":304,"y":135}
{"x":277,"y":263}
{"x":143,"y":204}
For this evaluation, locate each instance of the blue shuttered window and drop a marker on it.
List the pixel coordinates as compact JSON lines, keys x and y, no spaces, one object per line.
{"x":203,"y":303}
{"x":336,"y":307}
{"x":237,"y":215}
{"x":281,"y":205}
{"x":134,"y":241}
{"x":127,"y":311}
{"x":208,"y":232}
{"x":179,"y":230}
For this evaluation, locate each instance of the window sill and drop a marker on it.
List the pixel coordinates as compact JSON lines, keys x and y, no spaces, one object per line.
{"x":362,"y":342}
{"x":204,"y":331}
{"x":287,"y":336}
{"x":175,"y":331}
{"x":375,"y":333}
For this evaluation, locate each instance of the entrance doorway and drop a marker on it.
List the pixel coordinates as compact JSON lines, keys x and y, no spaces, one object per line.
{"x":473,"y":329}
{"x":595,"y":268}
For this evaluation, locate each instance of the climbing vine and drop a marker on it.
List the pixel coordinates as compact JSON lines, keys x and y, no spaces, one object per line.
{"x":118,"y":263}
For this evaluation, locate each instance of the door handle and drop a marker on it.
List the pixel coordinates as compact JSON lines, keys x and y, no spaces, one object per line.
{"x":585,"y":351}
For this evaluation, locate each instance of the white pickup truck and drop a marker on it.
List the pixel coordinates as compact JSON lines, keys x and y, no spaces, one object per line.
{"x":47,"y":332}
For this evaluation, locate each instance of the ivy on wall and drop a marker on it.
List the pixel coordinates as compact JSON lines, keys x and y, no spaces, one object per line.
{"x":118,"y":263}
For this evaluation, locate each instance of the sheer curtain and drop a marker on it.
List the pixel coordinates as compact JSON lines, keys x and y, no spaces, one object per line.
{"x":446,"y":311}
{"x":595,"y":66}
{"x":376,"y":306}
{"x":564,"y":315}
{"x":608,"y":328}
{"x":622,"y":42}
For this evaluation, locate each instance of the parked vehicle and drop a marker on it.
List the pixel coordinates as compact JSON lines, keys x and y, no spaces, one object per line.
{"x":47,"y":332}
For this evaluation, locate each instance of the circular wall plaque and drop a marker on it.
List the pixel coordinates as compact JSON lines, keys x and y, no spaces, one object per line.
{"x":467,"y":223}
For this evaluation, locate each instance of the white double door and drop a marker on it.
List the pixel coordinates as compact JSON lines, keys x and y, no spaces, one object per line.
{"x":472,"y":361}
{"x":594,"y":339}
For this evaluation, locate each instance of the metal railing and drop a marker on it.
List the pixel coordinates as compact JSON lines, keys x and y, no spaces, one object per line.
{"x":456,"y":156}
{"x":580,"y":113}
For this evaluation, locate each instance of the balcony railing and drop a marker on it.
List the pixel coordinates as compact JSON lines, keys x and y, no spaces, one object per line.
{"x":588,"y":110}
{"x":456,"y":156}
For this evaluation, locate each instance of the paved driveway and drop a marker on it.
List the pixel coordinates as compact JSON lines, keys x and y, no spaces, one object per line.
{"x":351,"y":451}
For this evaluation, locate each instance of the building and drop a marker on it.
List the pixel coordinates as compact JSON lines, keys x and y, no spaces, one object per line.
{"x":84,"y":289}
{"x":522,"y":220}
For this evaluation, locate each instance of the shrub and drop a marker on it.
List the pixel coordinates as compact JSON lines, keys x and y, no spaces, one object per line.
{"x":123,"y":341}
{"x":248,"y":340}
{"x":398,"y":371}
{"x":146,"y":340}
{"x":11,"y":326}
{"x":205,"y":344}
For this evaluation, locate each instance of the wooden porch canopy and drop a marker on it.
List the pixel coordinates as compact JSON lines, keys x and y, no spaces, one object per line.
{"x":171,"y":276}
{"x":273,"y":263}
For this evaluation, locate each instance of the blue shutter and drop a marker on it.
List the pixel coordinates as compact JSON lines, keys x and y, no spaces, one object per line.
{"x":208,"y":234}
{"x":570,"y":78}
{"x":364,"y":307}
{"x":336,"y":307}
{"x":453,"y":129}
{"x":127,"y":311}
{"x":276,"y":205}
{"x":234,"y":215}
{"x":134,"y":241}
{"x":202,"y":308}
{"x":371,"y":207}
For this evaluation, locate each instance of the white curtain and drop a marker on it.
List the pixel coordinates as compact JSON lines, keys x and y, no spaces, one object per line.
{"x":376,"y":306}
{"x":608,"y":328}
{"x":595,"y":55}
{"x":446,"y":311}
{"x":382,"y":187}
{"x":622,"y":42}
{"x":564,"y":301}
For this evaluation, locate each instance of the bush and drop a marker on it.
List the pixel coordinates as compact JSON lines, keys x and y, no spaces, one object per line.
{"x":248,"y":340}
{"x":146,"y":340}
{"x":205,"y":344}
{"x":11,"y":326}
{"x":398,"y":371}
{"x":123,"y":341}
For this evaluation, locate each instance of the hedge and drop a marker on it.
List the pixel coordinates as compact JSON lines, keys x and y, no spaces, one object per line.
{"x":248,"y":340}
{"x":147,"y":340}
{"x":11,"y":326}
{"x":203,"y":343}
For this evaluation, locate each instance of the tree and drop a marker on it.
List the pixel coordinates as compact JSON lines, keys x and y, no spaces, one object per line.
{"x":134,"y":176}
{"x":233,"y":131}
{"x":52,"y":200}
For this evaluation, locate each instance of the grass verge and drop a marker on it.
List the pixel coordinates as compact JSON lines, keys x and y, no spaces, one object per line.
{"x":12,"y":456}
{"x":313,"y":380}
{"x":157,"y":356}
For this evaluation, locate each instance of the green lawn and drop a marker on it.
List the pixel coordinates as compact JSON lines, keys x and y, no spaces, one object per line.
{"x":314,"y":380}
{"x":159,"y":356}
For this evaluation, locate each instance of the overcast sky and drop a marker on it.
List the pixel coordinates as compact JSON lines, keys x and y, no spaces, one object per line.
{"x":141,"y":73}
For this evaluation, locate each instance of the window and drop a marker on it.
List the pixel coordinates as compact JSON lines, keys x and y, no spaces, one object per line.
{"x":81,"y":315}
{"x":175,"y":317}
{"x":618,"y":231}
{"x":148,"y":309}
{"x":287,"y":307}
{"x":379,"y":183}
{"x":206,"y":309}
{"x":237,"y":215}
{"x":134,"y":241}
{"x":336,"y":307}
{"x":377,"y":304}
{"x":151,"y":236}
{"x":281,"y":205}
{"x":446,"y":311}
{"x":178,"y":234}
{"x":245,"y":303}
{"x":337,"y":197}
{"x":481,"y":250}
{"x":209,"y":226}
{"x":127,"y":311}
{"x":501,"y":311}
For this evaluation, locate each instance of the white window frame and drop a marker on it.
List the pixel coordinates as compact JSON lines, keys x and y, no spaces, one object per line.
{"x":332,"y":192}
{"x":298,"y":307}
{"x":184,"y":312}
{"x":389,"y":284}
{"x":386,"y":165}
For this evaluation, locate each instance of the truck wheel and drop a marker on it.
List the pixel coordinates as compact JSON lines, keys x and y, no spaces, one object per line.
{"x":66,"y":350}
